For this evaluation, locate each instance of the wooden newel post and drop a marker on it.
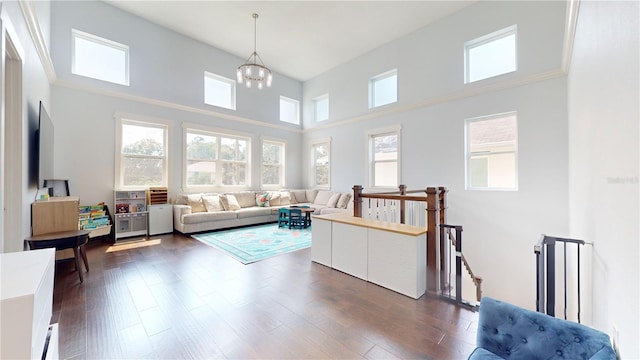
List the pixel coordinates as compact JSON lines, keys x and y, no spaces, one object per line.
{"x":357,"y":200}
{"x":442,"y":216}
{"x":403,"y":191}
{"x":433,"y":233}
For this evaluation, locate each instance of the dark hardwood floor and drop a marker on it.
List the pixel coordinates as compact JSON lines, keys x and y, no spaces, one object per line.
{"x":172,"y":297}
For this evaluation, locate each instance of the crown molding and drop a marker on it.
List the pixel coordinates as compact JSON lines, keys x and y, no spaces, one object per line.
{"x":573,"y":7}
{"x":33,"y":25}
{"x":169,"y":105}
{"x":469,"y":91}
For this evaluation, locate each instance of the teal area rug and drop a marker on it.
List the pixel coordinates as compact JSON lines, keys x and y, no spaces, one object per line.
{"x":256,"y":243}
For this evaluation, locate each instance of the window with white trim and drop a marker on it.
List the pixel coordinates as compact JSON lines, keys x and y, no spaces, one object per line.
{"x":321,"y":163}
{"x":219,"y":91}
{"x":214,"y":159}
{"x":99,"y":58}
{"x":490,"y":55}
{"x":491,"y":148}
{"x":384,"y":157}
{"x":289,"y":110}
{"x":383,"y":89}
{"x":273,"y":160}
{"x":321,"y":108}
{"x":142,"y":154}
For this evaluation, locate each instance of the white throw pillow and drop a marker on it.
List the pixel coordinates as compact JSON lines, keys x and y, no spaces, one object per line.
{"x":229,"y":202}
{"x":195,"y":201}
{"x":344,"y":200}
{"x":322,"y":198}
{"x":333,"y":200}
{"x":212,"y":203}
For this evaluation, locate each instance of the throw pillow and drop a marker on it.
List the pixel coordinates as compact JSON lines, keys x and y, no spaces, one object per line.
{"x":344,"y":200}
{"x":333,"y":200}
{"x":229,"y":202}
{"x":322,"y":198}
{"x":285,"y":198}
{"x":299,"y":195}
{"x":275,"y":198}
{"x":212,"y":203}
{"x":262,"y":199}
{"x":195,"y":201}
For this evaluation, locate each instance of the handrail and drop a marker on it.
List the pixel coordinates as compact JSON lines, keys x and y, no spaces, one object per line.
{"x":445,"y":257}
{"x":435,"y":200}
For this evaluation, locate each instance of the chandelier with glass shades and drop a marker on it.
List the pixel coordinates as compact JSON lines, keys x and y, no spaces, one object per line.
{"x":253,"y":72}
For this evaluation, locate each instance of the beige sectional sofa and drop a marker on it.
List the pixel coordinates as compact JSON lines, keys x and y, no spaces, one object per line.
{"x":211,"y":211}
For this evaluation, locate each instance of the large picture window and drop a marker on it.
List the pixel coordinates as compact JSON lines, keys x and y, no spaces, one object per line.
{"x":321,"y":163}
{"x":492,"y":152}
{"x":214,"y":159}
{"x":384,"y":157}
{"x":141,"y":154}
{"x":99,"y":58}
{"x":273,"y":160}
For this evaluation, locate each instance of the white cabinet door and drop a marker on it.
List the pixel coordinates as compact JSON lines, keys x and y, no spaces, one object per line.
{"x":349,"y":249}
{"x":321,"y":242}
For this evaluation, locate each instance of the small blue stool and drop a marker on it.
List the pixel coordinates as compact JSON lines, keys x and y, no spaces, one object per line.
{"x":283,"y":217}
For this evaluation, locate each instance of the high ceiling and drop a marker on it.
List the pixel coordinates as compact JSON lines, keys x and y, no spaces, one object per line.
{"x":300,"y":39}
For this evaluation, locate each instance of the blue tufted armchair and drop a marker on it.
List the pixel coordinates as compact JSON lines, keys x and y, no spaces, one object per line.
{"x":506,"y":331}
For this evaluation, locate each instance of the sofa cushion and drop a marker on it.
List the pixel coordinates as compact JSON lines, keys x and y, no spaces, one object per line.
{"x":229,"y":202}
{"x":311,"y":195}
{"x":298,"y":196}
{"x":212,"y":203}
{"x":245,"y":198}
{"x":344,"y":200}
{"x":333,"y":200}
{"x":322,"y":197}
{"x":255,"y":211}
{"x":195,"y":201}
{"x":263,"y":199}
{"x":208,"y":216}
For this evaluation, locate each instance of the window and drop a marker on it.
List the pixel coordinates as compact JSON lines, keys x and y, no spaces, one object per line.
{"x":289,"y":110}
{"x":491,"y":152}
{"x":383,"y":89}
{"x":214,"y":159}
{"x":273,"y":155}
{"x":321,"y":159}
{"x":490,"y":55}
{"x":321,"y":108}
{"x":141,"y":154}
{"x":99,"y":58}
{"x":384,"y":157}
{"x":219,"y":91}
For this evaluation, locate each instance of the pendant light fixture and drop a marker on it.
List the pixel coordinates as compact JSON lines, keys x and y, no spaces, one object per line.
{"x":253,"y":72}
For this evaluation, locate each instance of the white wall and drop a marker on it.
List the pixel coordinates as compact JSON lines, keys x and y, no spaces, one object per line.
{"x":35,"y":88}
{"x":501,"y":227}
{"x":167,"y":71}
{"x":603,"y":128}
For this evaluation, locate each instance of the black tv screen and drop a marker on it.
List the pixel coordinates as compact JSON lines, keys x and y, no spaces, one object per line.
{"x":45,"y":147}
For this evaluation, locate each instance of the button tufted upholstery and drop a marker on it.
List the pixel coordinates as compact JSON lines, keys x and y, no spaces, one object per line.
{"x":506,"y":331}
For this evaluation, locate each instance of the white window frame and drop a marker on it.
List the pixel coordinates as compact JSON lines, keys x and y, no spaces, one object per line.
{"x":103,"y":42}
{"x":126,"y":119}
{"x":296,"y":103}
{"x":484,"y":40}
{"x":281,"y":170}
{"x":219,"y":134}
{"x":226,"y":81}
{"x":469,"y":155}
{"x":316,"y":101}
{"x":312,"y":170}
{"x":371,"y":135}
{"x":372,"y":87}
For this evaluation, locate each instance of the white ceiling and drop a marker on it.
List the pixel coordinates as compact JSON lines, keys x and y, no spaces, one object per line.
{"x":300,"y":39}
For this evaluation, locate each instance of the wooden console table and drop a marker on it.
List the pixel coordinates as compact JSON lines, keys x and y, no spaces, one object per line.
{"x":74,"y":239}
